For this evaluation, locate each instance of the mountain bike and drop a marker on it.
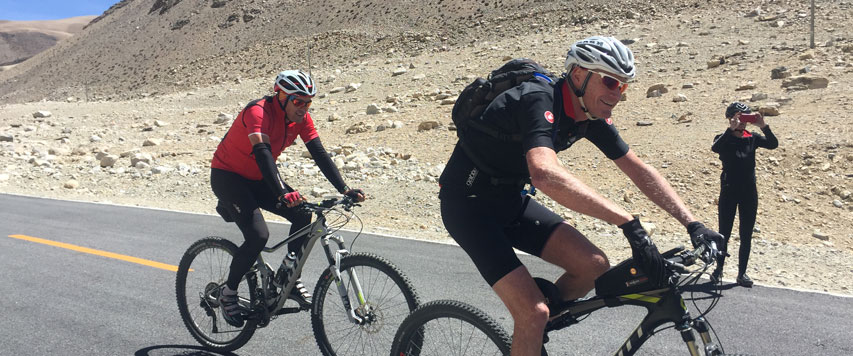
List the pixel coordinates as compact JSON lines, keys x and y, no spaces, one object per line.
{"x":453,"y":328}
{"x":358,"y":303}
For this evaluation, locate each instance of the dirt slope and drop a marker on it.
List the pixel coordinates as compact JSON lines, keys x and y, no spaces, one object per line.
{"x":20,"y":40}
{"x":703,"y":55}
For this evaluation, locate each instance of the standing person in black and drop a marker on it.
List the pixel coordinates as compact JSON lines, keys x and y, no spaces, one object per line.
{"x":738,"y":191}
{"x":488,"y":214}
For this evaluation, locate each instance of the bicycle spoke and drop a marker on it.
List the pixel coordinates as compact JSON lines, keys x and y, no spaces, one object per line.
{"x":204,"y":267}
{"x":381,"y":306}
{"x":450,"y":328}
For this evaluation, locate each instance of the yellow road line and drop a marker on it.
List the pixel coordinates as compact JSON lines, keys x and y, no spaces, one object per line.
{"x":141,"y":261}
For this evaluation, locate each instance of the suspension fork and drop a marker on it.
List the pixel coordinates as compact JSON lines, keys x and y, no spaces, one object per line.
{"x":687,"y":335}
{"x":702,"y":327}
{"x":335,"y":266}
{"x":686,"y":327}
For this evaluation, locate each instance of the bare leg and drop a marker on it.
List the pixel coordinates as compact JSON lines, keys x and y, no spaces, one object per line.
{"x":527,"y":306}
{"x":583,"y":262}
{"x":579,"y":257}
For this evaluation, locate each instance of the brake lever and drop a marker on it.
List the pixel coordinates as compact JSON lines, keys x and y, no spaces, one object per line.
{"x":712,"y":253}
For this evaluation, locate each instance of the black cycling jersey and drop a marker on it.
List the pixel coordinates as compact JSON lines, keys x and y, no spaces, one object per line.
{"x":486,"y":216}
{"x":738,"y":155}
{"x":529,"y":109}
{"x":738,"y":193}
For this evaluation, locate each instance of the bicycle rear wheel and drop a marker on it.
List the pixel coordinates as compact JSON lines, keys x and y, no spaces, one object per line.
{"x":450,"y":328}
{"x":203,"y":268}
{"x":388,"y":298}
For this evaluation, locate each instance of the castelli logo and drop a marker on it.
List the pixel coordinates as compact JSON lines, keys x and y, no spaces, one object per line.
{"x":549,"y":116}
{"x":609,"y":122}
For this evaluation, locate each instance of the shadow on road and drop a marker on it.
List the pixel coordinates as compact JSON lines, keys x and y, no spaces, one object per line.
{"x":178,"y":350}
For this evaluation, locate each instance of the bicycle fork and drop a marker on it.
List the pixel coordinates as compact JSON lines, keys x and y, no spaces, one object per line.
{"x":669,"y":308}
{"x":335,"y":262}
{"x":700,"y":325}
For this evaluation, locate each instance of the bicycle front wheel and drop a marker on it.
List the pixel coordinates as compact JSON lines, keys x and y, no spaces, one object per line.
{"x":450,"y":328}
{"x":387,"y":298}
{"x":202,"y":270}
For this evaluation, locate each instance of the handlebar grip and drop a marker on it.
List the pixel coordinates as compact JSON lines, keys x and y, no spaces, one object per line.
{"x":672,"y":251}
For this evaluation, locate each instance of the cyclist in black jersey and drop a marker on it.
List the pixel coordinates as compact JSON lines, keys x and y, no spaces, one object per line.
{"x":738,"y":191}
{"x":488,"y":215}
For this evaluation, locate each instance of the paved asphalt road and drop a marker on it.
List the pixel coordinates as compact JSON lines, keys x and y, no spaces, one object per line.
{"x":58,"y":301}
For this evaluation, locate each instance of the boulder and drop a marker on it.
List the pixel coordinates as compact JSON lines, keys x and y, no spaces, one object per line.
{"x":805,"y":82}
{"x":779,"y":73}
{"x":42,"y":114}
{"x":373,"y":109}
{"x":428,"y":125}
{"x":660,"y":88}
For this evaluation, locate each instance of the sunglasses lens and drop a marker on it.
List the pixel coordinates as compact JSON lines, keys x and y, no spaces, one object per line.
{"x":610,"y":83}
{"x":300,"y":103}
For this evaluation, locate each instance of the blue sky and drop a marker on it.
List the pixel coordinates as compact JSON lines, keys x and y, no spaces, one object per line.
{"x":28,"y":10}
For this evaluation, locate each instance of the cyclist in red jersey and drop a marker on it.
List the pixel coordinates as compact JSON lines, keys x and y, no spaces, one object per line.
{"x":245,"y":178}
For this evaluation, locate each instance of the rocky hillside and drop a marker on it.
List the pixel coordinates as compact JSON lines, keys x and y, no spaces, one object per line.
{"x":386,"y":95}
{"x":20,"y":40}
{"x":159,"y":46}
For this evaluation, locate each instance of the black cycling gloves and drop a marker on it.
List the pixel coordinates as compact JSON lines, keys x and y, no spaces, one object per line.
{"x":354,"y":194}
{"x":644,"y":251}
{"x":700,"y":234}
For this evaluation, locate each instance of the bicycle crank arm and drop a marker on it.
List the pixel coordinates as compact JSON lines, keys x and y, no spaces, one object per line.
{"x":290,"y":310}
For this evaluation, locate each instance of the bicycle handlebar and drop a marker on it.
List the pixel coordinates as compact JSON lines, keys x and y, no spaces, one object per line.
{"x":707,"y":252}
{"x":346,"y":202}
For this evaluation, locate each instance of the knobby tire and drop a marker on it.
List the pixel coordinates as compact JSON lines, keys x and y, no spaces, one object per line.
{"x":210,"y":261}
{"x":389,"y":299}
{"x":450,"y":328}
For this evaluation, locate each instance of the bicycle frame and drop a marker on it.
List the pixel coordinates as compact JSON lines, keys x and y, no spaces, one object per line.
{"x":314,"y":231}
{"x":663,"y":305}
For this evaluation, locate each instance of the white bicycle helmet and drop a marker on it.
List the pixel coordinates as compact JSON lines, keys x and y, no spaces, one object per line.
{"x":295,"y":82}
{"x":602,"y":53}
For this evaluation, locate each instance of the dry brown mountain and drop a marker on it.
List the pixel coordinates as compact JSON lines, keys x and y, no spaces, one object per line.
{"x":20,"y":40}
{"x":185,"y":66}
{"x":161,"y":45}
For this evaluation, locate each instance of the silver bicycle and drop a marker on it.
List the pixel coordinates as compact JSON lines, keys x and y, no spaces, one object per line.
{"x":359,"y":300}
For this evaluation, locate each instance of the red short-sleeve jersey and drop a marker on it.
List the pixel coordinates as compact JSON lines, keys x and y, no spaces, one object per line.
{"x":234,"y":153}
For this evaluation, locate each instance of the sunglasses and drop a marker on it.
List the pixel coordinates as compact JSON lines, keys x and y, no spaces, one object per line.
{"x":611,"y":82}
{"x":299,"y":103}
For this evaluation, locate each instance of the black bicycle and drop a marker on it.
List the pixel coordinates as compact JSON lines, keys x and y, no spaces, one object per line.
{"x":453,"y":328}
{"x":359,"y":300}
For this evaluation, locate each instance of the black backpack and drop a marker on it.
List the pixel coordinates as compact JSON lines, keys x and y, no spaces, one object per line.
{"x":479,"y":94}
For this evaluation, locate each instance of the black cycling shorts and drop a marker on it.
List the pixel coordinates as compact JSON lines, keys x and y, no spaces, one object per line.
{"x":488,"y":228}
{"x":242,"y":200}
